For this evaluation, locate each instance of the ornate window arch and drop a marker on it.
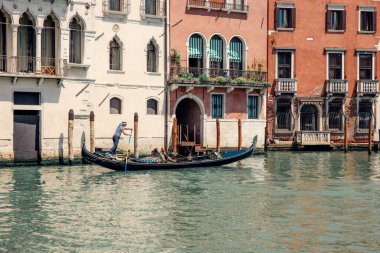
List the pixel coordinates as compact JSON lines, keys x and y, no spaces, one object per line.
{"x":76,"y":48}
{"x":115,"y":54}
{"x":48,"y":44}
{"x":5,"y":19}
{"x":26,"y":47}
{"x":115,"y":105}
{"x":152,"y":56}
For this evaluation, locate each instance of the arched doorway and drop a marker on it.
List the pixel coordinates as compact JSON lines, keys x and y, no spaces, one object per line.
{"x":309,"y":118}
{"x":189,"y":114}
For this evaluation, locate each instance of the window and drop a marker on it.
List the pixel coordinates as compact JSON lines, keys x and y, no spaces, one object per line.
{"x":115,"y":55}
{"x":253,"y":107}
{"x":335,"y":66}
{"x":48,"y":47}
{"x":152,"y":106}
{"x":152,"y":7}
{"x":364,"y":113}
{"x":365,"y":66}
{"x":283,"y":114}
{"x":217,"y":101}
{"x":26,"y":98}
{"x":336,"y":19}
{"x":195,"y":54}
{"x":309,"y":118}
{"x":26,"y":45}
{"x":285,"y":18}
{"x":115,"y":106}
{"x":216,"y":55}
{"x":335,"y":110}
{"x":367,"y":20}
{"x":115,"y":5}
{"x":236,"y":57}
{"x":284,"y":68}
{"x":76,"y":40}
{"x":151,"y":57}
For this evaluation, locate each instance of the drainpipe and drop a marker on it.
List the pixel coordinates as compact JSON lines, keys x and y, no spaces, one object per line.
{"x":166,"y":90}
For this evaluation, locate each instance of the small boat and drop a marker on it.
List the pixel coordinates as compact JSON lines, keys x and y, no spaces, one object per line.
{"x":134,"y":164}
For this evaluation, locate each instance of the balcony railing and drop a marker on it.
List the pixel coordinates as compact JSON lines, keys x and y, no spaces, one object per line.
{"x":31,"y":66}
{"x":335,"y":86}
{"x":367,"y":87}
{"x":285,"y":85}
{"x":216,"y":76}
{"x":210,"y":5}
{"x":153,"y":9}
{"x":117,"y":7}
{"x":313,"y":138}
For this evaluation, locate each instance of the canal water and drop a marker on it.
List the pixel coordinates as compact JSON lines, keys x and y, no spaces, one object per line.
{"x":278,"y":202}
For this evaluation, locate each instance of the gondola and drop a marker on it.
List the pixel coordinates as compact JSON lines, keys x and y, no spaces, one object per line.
{"x":133,"y":164}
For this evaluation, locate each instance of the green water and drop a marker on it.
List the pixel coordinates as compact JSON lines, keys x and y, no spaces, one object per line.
{"x":279,"y":202}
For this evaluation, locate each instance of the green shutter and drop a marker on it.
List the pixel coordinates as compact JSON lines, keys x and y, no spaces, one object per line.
{"x":216,"y":49}
{"x":236,"y":51}
{"x":195,"y":47}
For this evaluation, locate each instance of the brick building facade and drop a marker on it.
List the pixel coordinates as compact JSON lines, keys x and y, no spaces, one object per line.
{"x":322,"y":60}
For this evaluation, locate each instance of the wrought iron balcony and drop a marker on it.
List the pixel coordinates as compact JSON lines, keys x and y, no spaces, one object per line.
{"x":153,"y":9}
{"x":367,"y":87}
{"x":210,"y":5}
{"x":211,"y":76}
{"x":116,"y":7}
{"x":313,"y":138}
{"x":285,"y":85}
{"x":336,"y":86}
{"x":31,"y":66}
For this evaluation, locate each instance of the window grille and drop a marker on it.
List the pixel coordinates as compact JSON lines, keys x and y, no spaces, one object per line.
{"x":283,"y":114}
{"x":336,"y":114}
{"x":253,"y":107}
{"x":217,"y":106}
{"x":309,"y":118}
{"x":365,"y":114}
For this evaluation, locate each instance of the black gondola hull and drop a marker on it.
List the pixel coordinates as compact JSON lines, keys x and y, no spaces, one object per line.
{"x":228,"y":157}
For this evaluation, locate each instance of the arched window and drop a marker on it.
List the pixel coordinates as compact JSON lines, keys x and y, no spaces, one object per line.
{"x":3,"y":41}
{"x":76,"y":40}
{"x":48,"y":46}
{"x":196,"y":57}
{"x":26,"y":44}
{"x":115,"y":55}
{"x":309,"y":118}
{"x":152,"y":106}
{"x":216,"y":54}
{"x":236,"y":57}
{"x":115,"y":106}
{"x":152,"y":57}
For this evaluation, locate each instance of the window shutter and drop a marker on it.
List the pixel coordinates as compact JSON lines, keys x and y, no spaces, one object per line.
{"x":328,"y":24}
{"x":344,"y":20}
{"x":276,"y":11}
{"x":294,"y":18}
{"x":374,"y":20}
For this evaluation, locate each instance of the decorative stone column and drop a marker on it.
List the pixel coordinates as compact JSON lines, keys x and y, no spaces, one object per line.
{"x":38,"y":49}
{"x":12,"y":62}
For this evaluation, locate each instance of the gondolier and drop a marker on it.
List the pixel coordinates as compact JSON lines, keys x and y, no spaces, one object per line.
{"x":121,"y":129}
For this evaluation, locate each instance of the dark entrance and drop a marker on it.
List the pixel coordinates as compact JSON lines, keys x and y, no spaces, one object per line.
{"x":309,"y":118}
{"x":26,"y":144}
{"x":188,"y":116}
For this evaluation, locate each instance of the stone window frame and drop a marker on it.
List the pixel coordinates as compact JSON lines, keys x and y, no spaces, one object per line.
{"x":368,"y":52}
{"x":223,"y":104}
{"x":336,"y":7}
{"x":366,"y":8}
{"x":157,"y":104}
{"x":286,"y":50}
{"x":335,"y":51}
{"x":259,"y":106}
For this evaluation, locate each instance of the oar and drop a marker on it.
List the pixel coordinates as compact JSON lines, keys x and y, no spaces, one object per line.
{"x":126,"y":157}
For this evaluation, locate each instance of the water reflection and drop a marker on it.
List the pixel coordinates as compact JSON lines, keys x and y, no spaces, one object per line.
{"x":278,"y":202}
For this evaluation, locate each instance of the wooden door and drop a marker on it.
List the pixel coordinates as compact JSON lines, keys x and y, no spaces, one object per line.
{"x":26,"y":136}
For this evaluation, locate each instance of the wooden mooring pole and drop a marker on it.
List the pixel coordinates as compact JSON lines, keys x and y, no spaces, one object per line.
{"x":175,"y":136}
{"x":239,"y":134}
{"x":70,"y":136}
{"x":136,"y":135}
{"x":217,"y":135}
{"x":370,"y":136}
{"x":92,"y":132}
{"x":345,"y":135}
